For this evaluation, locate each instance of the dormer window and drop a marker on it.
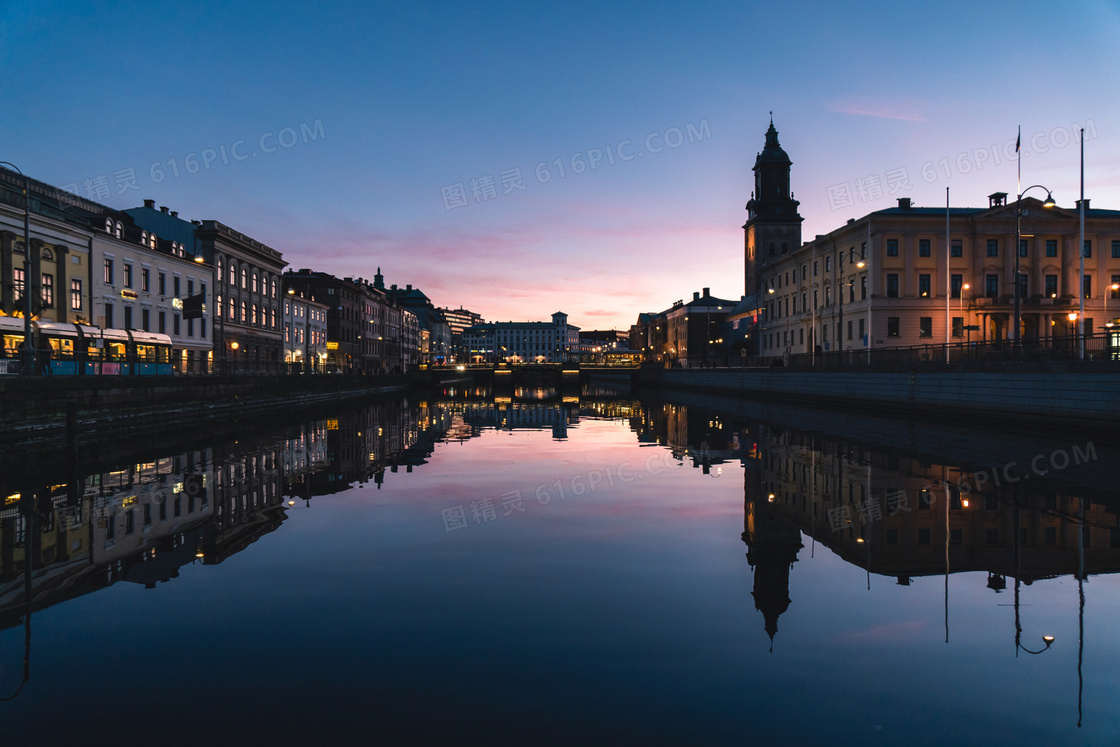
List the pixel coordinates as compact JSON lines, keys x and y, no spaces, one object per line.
{"x":118,"y":229}
{"x":109,"y":226}
{"x":144,"y":238}
{"x":152,"y":240}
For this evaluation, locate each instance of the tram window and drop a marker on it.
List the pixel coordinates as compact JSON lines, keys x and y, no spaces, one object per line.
{"x":114,"y":350}
{"x":11,"y":344}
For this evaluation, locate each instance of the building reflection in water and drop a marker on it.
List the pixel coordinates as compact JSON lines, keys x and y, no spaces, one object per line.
{"x":893,"y":513}
{"x":142,"y":521}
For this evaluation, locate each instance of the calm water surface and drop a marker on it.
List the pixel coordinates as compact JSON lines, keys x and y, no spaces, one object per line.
{"x":606,"y":571}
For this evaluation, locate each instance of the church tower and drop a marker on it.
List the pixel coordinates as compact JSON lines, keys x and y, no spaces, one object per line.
{"x":773,"y":226}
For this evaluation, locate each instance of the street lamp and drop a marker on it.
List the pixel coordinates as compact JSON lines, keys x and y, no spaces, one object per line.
{"x":30,"y":266}
{"x":1047,"y":203}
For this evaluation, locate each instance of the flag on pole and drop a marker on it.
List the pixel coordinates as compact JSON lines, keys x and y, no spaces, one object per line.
{"x":1017,"y":139}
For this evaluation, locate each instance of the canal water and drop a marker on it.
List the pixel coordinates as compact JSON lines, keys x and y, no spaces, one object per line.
{"x":537,"y":570}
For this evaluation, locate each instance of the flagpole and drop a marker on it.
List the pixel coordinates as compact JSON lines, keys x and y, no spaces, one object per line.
{"x":1018,"y":234}
{"x":1081,"y":263}
{"x":948,"y":281}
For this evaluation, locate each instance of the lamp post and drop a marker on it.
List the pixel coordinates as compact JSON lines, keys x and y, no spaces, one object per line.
{"x":27,"y":350}
{"x":1047,"y":203}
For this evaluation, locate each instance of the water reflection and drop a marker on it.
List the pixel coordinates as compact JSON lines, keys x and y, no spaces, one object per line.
{"x":897,"y":505}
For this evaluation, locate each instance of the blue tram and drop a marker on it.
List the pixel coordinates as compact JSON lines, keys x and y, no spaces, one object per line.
{"x":81,"y":350}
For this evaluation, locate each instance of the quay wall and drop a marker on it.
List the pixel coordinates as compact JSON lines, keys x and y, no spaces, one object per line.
{"x":47,"y":409}
{"x":1063,"y":399}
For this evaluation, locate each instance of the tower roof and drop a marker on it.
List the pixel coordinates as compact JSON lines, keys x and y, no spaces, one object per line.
{"x":772,"y":152}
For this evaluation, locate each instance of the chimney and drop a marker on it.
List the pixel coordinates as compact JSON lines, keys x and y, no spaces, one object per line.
{"x":163,"y":209}
{"x":997,"y":199}
{"x":1077,"y":203}
{"x":174,"y":213}
{"x":904,"y":203}
{"x":150,"y":204}
{"x":695,"y":295}
{"x":409,"y":286}
{"x":707,"y":292}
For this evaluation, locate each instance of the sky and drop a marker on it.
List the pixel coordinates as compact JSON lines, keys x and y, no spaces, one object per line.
{"x":522,"y":159}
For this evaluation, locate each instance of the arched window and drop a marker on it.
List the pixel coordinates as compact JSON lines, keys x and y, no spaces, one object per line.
{"x":219,"y":273}
{"x":144,"y":238}
{"x":109,"y":226}
{"x":218,"y":301}
{"x":118,"y":229}
{"x":256,"y":287}
{"x":152,"y":240}
{"x":233,"y":274}
{"x":244,"y":312}
{"x":274,"y":287}
{"x":254,"y":313}
{"x":244,"y":278}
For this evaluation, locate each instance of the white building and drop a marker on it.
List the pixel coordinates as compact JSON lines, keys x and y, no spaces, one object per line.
{"x":305,"y":331}
{"x":139,"y":281}
{"x":523,"y":342}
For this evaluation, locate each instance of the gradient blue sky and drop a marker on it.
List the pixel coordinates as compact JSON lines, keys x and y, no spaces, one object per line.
{"x":416,"y":97}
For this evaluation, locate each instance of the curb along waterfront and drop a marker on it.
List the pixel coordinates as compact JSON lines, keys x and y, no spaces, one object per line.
{"x":44,"y":410}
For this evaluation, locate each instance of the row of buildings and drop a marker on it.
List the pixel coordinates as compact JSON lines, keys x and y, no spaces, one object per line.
{"x":898,"y":277}
{"x":227,"y":301}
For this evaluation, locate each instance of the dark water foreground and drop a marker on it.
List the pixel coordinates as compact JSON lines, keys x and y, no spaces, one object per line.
{"x":597,"y":571}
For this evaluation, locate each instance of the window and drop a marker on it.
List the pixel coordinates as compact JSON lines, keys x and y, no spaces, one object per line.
{"x":892,"y":285}
{"x":958,"y":326}
{"x":202,"y":328}
{"x":892,"y":247}
{"x":175,"y":324}
{"x":254,"y":313}
{"x":161,"y":321}
{"x":274,"y":287}
{"x":219,"y":274}
{"x":127,"y":275}
{"x":923,"y":248}
{"x":993,"y":247}
{"x":108,"y":271}
{"x":923,"y":536}
{"x":244,"y":278}
{"x":127,"y":317}
{"x":145,"y":279}
{"x":255,"y":285}
{"x":47,"y":290}
{"x":892,"y":326}
{"x":162,"y":284}
{"x":1050,"y":536}
{"x":1115,"y":249}
{"x":1114,"y":287}
{"x":175,"y":286}
{"x":862,"y":288}
{"x":850,"y":328}
{"x":232,"y":274}
{"x":815,"y":263}
{"x":202,"y":291}
{"x":956,"y":536}
{"x":109,"y":316}
{"x":145,"y":320}
{"x":1023,"y":284}
{"x":828,"y":264}
{"x":1052,"y":248}
{"x":956,"y":249}
{"x":190,"y":286}
{"x":75,"y":294}
{"x":925,"y":326}
{"x":19,"y":279}
{"x":956,"y":285}
{"x":923,"y":285}
{"x":1086,"y":287}
{"x":190,"y":328}
{"x":1051,"y":286}
{"x":244,"y":312}
{"x":991,"y":286}
{"x":1088,"y":249}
